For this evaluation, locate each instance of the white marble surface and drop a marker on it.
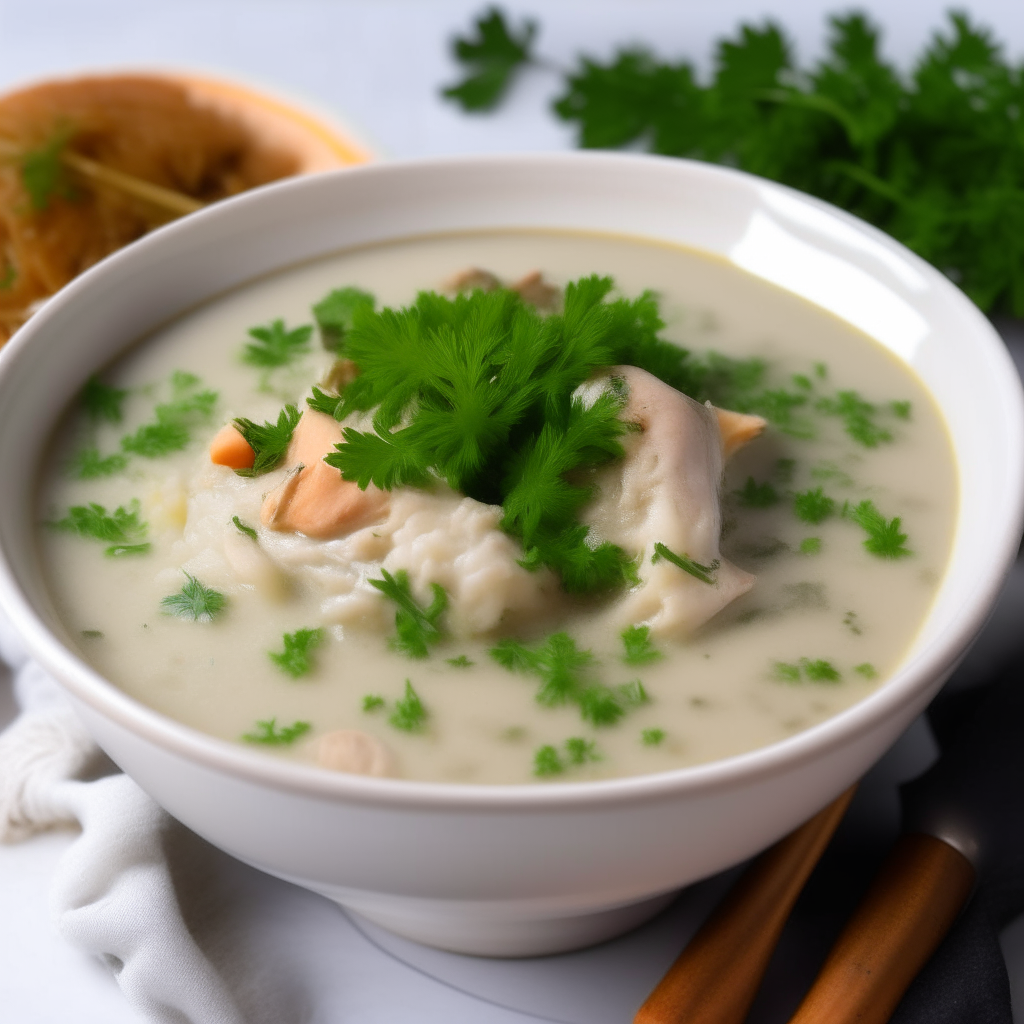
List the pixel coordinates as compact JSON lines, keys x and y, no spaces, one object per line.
{"x":378,"y":65}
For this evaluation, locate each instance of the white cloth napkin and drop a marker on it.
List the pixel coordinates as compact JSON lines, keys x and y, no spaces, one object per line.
{"x":113,"y":895}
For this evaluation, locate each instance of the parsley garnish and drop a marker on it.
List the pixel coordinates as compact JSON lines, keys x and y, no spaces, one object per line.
{"x":813,"y":506}
{"x":460,"y":662}
{"x":866,"y":669}
{"x":416,"y":627}
{"x":810,"y":546}
{"x":755,"y":495}
{"x":268,"y":440}
{"x":884,"y":538}
{"x":242,"y":528}
{"x":88,"y":464}
{"x":857,"y":416}
{"x":639,"y":649}
{"x":409,"y":714}
{"x":900,"y":410}
{"x":43,"y":174}
{"x":335,"y":314}
{"x":274,"y":346}
{"x":600,"y":705}
{"x":195,"y":601}
{"x":171,"y":431}
{"x":324,"y":401}
{"x":122,"y":529}
{"x":547,"y":761}
{"x":490,"y":60}
{"x":579,"y":750}
{"x":935,"y":157}
{"x":652,"y":737}
{"x":102,"y":401}
{"x":816,"y":671}
{"x":296,"y":658}
{"x":270,"y":733}
{"x":704,"y":573}
{"x":374,"y":702}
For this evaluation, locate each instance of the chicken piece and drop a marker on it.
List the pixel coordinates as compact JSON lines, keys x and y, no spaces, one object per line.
{"x":666,"y":490}
{"x":536,"y":291}
{"x":349,"y":750}
{"x":314,"y":499}
{"x":471,"y":279}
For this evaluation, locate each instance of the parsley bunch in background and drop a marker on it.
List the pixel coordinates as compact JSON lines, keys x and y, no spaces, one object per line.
{"x":934,"y":157}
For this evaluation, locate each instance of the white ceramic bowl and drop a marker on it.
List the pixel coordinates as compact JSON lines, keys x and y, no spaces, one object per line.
{"x":520,"y":869}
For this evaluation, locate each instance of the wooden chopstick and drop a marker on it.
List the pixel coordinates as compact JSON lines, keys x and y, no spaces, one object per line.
{"x":717,"y":975}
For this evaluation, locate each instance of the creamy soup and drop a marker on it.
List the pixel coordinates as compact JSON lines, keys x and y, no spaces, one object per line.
{"x":762,"y":574}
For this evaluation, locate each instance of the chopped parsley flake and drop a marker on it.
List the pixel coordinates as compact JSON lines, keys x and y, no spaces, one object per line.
{"x":600,"y":705}
{"x":195,"y":601}
{"x":374,"y":702}
{"x":269,"y":441}
{"x":123,"y":529}
{"x":547,"y":761}
{"x":813,"y":506}
{"x":558,"y":663}
{"x":810,"y":546}
{"x":866,"y":669}
{"x":633,"y":694}
{"x":416,"y":627}
{"x":242,"y":528}
{"x":704,"y":573}
{"x":270,"y":734}
{"x":816,"y":671}
{"x":858,"y":418}
{"x":102,"y":401}
{"x":408,"y":714}
{"x":851,"y":620}
{"x":171,"y":431}
{"x":884,"y":538}
{"x":755,"y":495}
{"x":652,"y":737}
{"x":784,"y":469}
{"x":275,"y":346}
{"x":490,"y":60}
{"x":786,"y":672}
{"x":92,"y":634}
{"x":900,"y":409}
{"x":460,"y":662}
{"x":296,"y":658}
{"x":335,"y":315}
{"x":155,"y":440}
{"x":639,"y":649}
{"x":88,"y":464}
{"x":579,"y":750}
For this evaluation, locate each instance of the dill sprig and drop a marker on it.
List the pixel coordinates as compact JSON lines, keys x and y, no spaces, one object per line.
{"x":195,"y":601}
{"x":416,"y":628}
{"x":123,"y":529}
{"x":408,"y":714}
{"x":884,"y":536}
{"x":274,"y":345}
{"x":269,"y":441}
{"x":638,"y":647}
{"x":704,"y":573}
{"x":297,"y":657}
{"x":268,"y":732}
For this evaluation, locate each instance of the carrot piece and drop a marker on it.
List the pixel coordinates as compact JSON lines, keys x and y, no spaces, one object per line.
{"x":229,"y":448}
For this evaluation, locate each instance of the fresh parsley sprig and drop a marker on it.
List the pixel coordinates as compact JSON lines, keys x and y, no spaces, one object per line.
{"x":885,"y":538}
{"x":416,"y":628}
{"x":639,"y":650}
{"x":102,"y":401}
{"x":271,"y":734}
{"x":274,"y":345}
{"x":171,"y":431}
{"x":335,"y":315}
{"x":195,"y":601}
{"x":409,"y":713}
{"x":269,"y":441}
{"x":123,"y":530}
{"x":296,"y":659}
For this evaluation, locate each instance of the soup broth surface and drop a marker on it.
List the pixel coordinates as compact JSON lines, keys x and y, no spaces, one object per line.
{"x":825,"y":623}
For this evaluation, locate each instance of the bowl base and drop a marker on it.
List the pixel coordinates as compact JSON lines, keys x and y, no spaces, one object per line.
{"x":505,"y":937}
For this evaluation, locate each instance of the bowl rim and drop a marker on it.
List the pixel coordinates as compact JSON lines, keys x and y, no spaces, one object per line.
{"x":906,"y":687}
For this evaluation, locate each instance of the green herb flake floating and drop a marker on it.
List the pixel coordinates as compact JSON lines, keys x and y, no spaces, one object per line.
{"x":89,"y":464}
{"x":373,"y":702}
{"x":704,"y":573}
{"x":885,"y":539}
{"x":638,"y":647}
{"x":813,"y":506}
{"x":297,"y":657}
{"x":269,"y":441}
{"x":755,"y":495}
{"x":547,"y":761}
{"x":408,"y":714}
{"x":242,"y":528}
{"x":102,"y":401}
{"x":581,"y":751}
{"x":652,"y":737}
{"x":171,"y":431}
{"x":335,"y":315}
{"x":417,"y":628}
{"x":123,"y":529}
{"x":270,"y":734}
{"x":274,"y":346}
{"x":195,"y":601}
{"x":935,"y":157}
